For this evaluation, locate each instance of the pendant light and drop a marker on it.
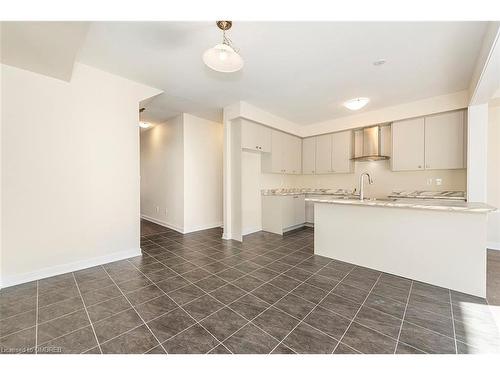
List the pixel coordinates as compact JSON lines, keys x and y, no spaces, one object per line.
{"x":223,"y":57}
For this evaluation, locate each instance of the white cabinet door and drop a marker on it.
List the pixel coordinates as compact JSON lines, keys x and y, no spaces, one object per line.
{"x":287,"y":152}
{"x":291,"y":156}
{"x":300,"y":209}
{"x":309,"y":155}
{"x":277,"y":146}
{"x":296,"y":155}
{"x":255,"y":137}
{"x":408,"y":145}
{"x":444,"y":141}
{"x":309,"y":212}
{"x":264,"y":141}
{"x":342,"y":152}
{"x":324,"y":154}
{"x":288,"y":210}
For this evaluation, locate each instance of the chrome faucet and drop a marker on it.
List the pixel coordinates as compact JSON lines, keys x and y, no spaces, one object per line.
{"x":361,"y":186}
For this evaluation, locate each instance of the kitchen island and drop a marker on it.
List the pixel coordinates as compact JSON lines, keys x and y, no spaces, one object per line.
{"x":440,"y":243}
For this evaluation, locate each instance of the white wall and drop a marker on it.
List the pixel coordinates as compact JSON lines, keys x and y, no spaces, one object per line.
{"x":477,"y":154}
{"x":181,"y":173}
{"x":162,"y":173}
{"x":203,"y":142}
{"x":493,"y":188}
{"x":427,"y":106}
{"x":386,"y":181}
{"x":70,"y":171}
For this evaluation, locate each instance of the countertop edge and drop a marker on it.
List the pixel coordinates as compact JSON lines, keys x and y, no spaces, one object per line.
{"x":475,"y":208}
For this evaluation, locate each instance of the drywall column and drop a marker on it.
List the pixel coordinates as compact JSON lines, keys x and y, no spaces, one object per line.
{"x":493,"y":193}
{"x":229,"y":114}
{"x":477,"y":152}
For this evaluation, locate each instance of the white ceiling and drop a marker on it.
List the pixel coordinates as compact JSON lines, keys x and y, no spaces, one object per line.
{"x":47,"y":48}
{"x":301,"y":71}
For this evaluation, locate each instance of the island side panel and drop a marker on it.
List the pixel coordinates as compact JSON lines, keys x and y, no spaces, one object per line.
{"x":443,"y":248}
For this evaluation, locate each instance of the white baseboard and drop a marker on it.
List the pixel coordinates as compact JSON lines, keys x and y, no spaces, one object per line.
{"x":196,"y":228}
{"x":67,"y":267}
{"x":493,"y":245}
{"x":180,"y":229}
{"x":246,"y":231}
{"x":293,"y":227}
{"x":163,"y":223}
{"x":310,"y":225}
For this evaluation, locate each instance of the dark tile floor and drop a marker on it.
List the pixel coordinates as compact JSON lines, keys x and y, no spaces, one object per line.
{"x":197,"y":293}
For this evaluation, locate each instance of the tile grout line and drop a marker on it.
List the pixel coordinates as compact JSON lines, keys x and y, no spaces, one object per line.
{"x":72,"y":312}
{"x":179,"y":306}
{"x":229,"y":266}
{"x":321,"y":300}
{"x":294,"y":266}
{"x":403,"y":318}
{"x":453,"y":322}
{"x":357,"y":312}
{"x":273,"y":304}
{"x":36,"y":320}
{"x":86,"y":312}
{"x":246,"y":293}
{"x":133,"y":307}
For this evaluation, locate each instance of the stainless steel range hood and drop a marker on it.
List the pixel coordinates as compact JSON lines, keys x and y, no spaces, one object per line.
{"x":371,"y":145}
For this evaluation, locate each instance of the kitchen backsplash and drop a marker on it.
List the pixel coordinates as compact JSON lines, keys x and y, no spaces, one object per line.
{"x":386,"y":181}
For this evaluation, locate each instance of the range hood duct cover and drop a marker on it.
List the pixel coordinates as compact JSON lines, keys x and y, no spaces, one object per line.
{"x":371,"y":145}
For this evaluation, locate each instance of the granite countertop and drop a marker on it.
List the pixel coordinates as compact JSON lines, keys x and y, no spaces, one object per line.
{"x":437,"y":205}
{"x":281,"y":192}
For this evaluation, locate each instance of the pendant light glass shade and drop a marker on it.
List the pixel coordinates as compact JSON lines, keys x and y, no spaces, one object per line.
{"x":223,"y":58}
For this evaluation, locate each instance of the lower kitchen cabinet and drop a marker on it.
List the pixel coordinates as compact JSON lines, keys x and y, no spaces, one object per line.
{"x":281,"y":213}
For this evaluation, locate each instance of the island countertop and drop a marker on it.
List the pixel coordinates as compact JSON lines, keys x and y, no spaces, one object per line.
{"x":421,"y":204}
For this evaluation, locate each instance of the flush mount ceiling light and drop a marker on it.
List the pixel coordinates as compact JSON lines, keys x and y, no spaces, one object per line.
{"x":379,"y":62}
{"x":223,"y":57}
{"x":356,"y":103}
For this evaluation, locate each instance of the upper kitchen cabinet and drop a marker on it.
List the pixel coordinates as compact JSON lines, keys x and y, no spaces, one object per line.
{"x":285,"y":156}
{"x":255,"y":136}
{"x":431,"y":142}
{"x":324,"y":154}
{"x":334,"y":153}
{"x":342,"y":152}
{"x":445,"y":141}
{"x":408,"y":145}
{"x":293,"y":155}
{"x":309,"y":155}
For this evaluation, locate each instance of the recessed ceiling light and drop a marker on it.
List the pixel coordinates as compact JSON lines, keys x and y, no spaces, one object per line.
{"x":379,"y":62}
{"x":144,"y":124}
{"x":356,"y":103}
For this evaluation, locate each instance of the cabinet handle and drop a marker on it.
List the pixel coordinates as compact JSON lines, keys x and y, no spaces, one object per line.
{"x":420,"y":166}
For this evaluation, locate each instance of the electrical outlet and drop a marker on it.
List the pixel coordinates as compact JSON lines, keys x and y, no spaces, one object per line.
{"x":439,"y":181}
{"x":429,"y":181}
{"x":166,"y":211}
{"x":157,"y":209}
